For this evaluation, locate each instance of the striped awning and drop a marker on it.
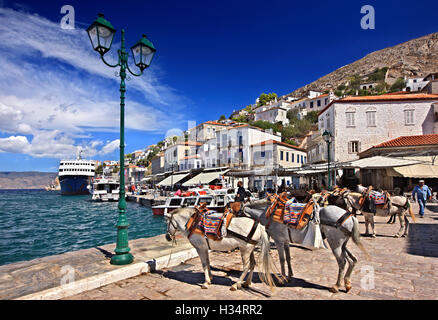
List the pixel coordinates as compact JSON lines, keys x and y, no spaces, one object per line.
{"x":169,"y":180}
{"x":204,"y":178}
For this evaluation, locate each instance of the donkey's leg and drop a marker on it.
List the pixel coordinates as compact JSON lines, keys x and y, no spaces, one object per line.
{"x":203,"y":255}
{"x":406,"y":226}
{"x":336,"y":246}
{"x":245,"y":253}
{"x":281,"y":248}
{"x":352,"y":260}
{"x":402,"y":224}
{"x":252,"y":264}
{"x":290,"y":273}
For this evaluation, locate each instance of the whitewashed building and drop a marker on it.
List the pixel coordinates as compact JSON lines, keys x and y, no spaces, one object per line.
{"x":273,"y":115}
{"x":275,"y":154}
{"x":205,"y":131}
{"x":233,"y":145}
{"x":175,"y":153}
{"x":414,"y":84}
{"x":360,"y":122}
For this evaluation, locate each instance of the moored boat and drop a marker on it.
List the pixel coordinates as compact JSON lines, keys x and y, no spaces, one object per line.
{"x":104,"y":189}
{"x":216,"y":201}
{"x":74,"y":175}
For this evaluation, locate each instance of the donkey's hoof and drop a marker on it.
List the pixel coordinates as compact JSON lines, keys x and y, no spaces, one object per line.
{"x":373,"y":235}
{"x":347,"y":286}
{"x":245,"y":285}
{"x":334,"y":289}
{"x":204,"y":285}
{"x":396,"y":235}
{"x":404,"y":235}
{"x":234,"y":287}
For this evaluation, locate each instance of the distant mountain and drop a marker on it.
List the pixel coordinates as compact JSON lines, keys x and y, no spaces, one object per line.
{"x":414,"y":58}
{"x":26,"y":180}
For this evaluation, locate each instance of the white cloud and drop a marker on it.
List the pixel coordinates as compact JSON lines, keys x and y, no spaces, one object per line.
{"x":53,"y":144}
{"x":54,"y":87}
{"x":111,"y":146}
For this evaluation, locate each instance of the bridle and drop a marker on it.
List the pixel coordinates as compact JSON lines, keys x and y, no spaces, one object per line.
{"x":170,"y":222}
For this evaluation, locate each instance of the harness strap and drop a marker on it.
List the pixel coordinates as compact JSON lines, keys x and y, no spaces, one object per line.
{"x":241,"y":237}
{"x":250,"y":234}
{"x":339,"y":223}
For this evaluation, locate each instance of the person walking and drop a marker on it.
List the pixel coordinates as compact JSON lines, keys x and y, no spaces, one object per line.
{"x":422,"y":192}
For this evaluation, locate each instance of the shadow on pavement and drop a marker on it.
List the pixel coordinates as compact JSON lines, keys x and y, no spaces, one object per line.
{"x":423,"y":240}
{"x":297,"y":282}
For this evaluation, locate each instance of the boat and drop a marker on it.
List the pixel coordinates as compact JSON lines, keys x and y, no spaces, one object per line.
{"x":75,"y":175}
{"x":215,"y":200}
{"x":104,"y":189}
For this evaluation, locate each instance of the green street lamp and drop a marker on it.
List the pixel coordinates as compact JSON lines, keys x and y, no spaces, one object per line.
{"x":101,"y":34}
{"x":328,"y":137}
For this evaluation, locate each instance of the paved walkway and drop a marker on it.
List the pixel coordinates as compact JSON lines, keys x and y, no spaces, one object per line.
{"x":29,"y":277}
{"x":403,"y":268}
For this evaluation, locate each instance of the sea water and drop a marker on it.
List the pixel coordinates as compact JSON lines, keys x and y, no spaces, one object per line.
{"x":38,"y":223}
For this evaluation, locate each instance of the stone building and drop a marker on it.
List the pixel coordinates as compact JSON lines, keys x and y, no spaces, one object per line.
{"x":361,"y":122}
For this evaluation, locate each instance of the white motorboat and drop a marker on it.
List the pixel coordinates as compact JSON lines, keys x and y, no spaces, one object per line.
{"x":105,"y":190}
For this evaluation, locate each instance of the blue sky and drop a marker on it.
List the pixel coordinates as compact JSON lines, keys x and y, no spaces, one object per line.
{"x":213,"y":57}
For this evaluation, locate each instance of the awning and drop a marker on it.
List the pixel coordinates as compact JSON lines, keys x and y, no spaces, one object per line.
{"x":378,"y":162}
{"x":204,"y":178}
{"x":414,"y":171}
{"x":169,"y":180}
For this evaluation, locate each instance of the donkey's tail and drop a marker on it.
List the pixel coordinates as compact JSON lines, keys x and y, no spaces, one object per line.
{"x":356,"y":237}
{"x":266,"y":266}
{"x":410,"y":211}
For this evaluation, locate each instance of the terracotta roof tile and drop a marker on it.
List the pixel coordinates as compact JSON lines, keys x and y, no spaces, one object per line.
{"x":407,"y":141}
{"x":383,"y":98}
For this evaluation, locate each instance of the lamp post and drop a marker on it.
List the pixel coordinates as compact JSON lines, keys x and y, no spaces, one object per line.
{"x":101,"y":34}
{"x":328,"y":139}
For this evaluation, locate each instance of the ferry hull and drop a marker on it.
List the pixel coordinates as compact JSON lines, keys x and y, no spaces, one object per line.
{"x":74,"y":185}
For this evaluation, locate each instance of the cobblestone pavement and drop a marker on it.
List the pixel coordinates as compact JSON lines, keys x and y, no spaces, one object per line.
{"x":402,"y":268}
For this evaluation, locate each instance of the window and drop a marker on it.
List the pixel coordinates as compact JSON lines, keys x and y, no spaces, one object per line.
{"x":353,"y":147}
{"x":302,"y":159}
{"x":287,"y":156}
{"x":350,"y":119}
{"x":371,"y":118}
{"x":262,"y":154}
{"x":281,"y":155}
{"x":319,"y":103}
{"x":409,"y":117}
{"x":311,"y":104}
{"x":326,"y":101}
{"x":292,"y":157}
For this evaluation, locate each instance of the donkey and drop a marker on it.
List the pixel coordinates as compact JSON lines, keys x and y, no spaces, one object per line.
{"x":398,"y":205}
{"x":177,"y":221}
{"x":335,"y":224}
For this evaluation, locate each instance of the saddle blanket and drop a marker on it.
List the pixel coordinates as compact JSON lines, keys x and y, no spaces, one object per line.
{"x":379,"y":198}
{"x":292,"y":212}
{"x":210,"y":222}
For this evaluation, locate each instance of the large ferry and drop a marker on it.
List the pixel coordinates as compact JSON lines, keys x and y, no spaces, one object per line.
{"x":75,"y":175}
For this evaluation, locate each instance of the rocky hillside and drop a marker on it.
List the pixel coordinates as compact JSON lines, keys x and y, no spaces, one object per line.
{"x":417,"y":57}
{"x":26,"y":180}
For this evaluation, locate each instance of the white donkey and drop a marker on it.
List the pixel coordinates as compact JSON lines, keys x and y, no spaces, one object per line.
{"x":177,"y":220}
{"x":335,"y":224}
{"x":398,"y":205}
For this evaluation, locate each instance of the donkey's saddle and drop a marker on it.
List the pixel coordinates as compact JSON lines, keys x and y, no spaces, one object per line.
{"x":208,"y":222}
{"x":289,"y":212}
{"x":379,"y":198}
